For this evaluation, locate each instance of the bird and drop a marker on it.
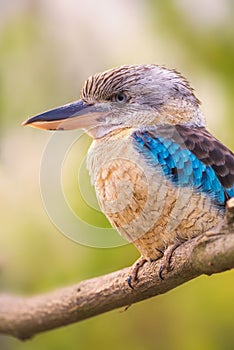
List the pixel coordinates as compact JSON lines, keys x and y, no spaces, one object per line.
{"x":161,"y":178}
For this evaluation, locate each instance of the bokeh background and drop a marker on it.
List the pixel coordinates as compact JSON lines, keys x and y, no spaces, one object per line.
{"x":47,"y":49}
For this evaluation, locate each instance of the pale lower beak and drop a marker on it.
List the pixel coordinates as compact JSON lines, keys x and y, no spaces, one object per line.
{"x":75,"y":115}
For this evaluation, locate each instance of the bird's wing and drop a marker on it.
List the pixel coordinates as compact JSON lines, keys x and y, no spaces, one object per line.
{"x":189,"y":156}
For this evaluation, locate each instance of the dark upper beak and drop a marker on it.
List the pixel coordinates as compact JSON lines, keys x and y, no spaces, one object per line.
{"x":78,"y":114}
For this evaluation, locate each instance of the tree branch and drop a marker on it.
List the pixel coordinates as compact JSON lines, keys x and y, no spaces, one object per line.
{"x":210,"y":253}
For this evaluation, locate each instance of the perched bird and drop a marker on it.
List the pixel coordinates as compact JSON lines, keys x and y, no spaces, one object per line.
{"x":160,"y":177}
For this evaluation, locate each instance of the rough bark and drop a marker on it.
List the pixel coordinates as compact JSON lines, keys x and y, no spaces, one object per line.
{"x":211,"y":253}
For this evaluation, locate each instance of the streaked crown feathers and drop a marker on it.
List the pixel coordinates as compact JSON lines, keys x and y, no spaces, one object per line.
{"x":139,"y":79}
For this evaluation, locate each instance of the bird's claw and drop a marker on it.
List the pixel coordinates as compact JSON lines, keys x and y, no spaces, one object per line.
{"x":166,"y":259}
{"x":133,"y":277}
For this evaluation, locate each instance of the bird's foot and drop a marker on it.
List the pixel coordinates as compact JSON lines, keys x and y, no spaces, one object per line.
{"x":165,"y":264}
{"x":133,"y":277}
{"x":166,"y":259}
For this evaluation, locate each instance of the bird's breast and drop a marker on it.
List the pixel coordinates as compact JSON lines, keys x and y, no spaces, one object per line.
{"x":125,"y":185}
{"x":138,"y":199}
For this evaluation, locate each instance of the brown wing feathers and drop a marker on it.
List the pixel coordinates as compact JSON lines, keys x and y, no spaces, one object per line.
{"x":210,"y":151}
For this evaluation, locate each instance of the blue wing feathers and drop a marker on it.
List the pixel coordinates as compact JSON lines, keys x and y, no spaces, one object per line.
{"x":182,"y":166}
{"x":230,"y":192}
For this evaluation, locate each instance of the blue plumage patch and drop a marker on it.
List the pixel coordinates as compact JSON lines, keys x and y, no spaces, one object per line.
{"x":181,"y":166}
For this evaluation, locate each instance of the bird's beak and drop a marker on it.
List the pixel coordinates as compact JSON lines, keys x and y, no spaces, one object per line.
{"x":78,"y":114}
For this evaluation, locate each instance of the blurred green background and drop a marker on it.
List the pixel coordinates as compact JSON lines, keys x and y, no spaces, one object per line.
{"x":47,"y":49}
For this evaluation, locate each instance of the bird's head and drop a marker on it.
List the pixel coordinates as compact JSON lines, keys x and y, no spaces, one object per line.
{"x":130,"y":96}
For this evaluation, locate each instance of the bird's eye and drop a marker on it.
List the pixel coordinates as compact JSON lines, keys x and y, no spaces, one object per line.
{"x":120,"y":97}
